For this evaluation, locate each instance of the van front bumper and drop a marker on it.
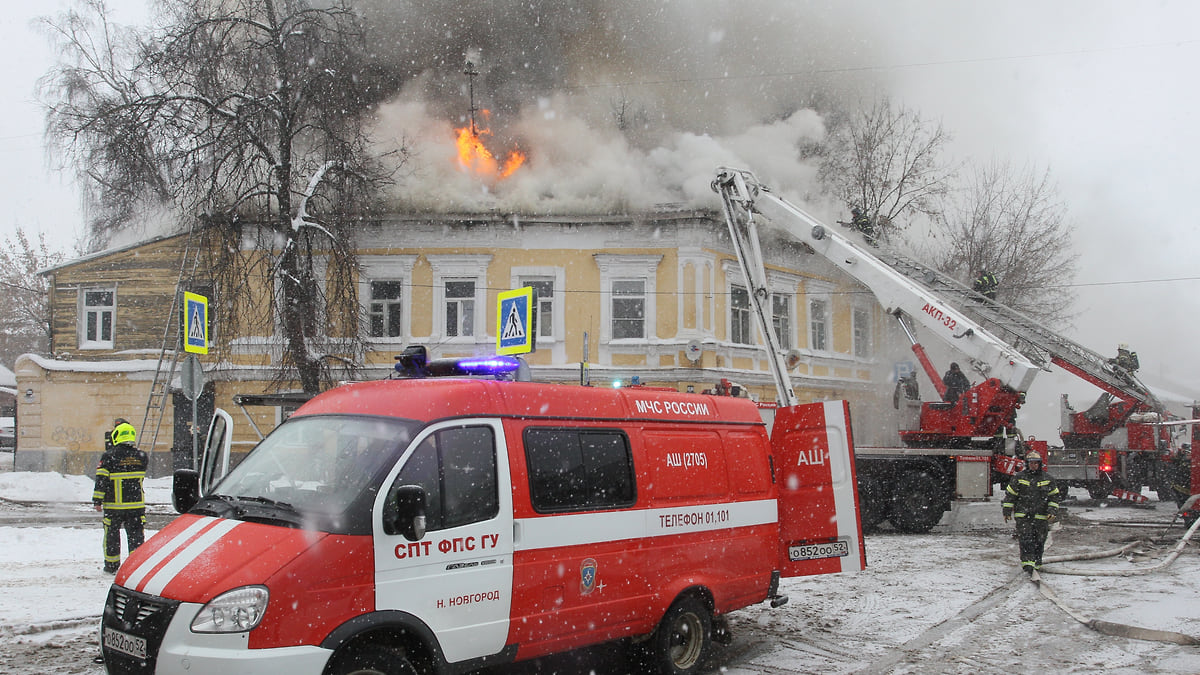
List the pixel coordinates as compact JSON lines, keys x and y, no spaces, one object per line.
{"x":183,"y":652}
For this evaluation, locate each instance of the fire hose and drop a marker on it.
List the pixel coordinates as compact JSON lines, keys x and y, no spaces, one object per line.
{"x":1108,"y":627}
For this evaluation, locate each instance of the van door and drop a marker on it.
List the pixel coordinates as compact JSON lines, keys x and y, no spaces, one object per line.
{"x":457,"y":579}
{"x":214,"y":462}
{"x":820,"y":529}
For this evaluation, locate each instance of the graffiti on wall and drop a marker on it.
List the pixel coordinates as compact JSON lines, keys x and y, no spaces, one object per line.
{"x":74,"y":438}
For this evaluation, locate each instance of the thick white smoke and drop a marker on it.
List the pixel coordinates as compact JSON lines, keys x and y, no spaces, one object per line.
{"x":619,"y":105}
{"x":574,"y":167}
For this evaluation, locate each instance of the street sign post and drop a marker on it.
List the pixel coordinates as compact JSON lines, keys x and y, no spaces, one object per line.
{"x":516,"y":321}
{"x":191,"y":381}
{"x":195,"y":323}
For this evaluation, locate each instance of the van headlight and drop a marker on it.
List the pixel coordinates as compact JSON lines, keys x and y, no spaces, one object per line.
{"x":233,"y":611}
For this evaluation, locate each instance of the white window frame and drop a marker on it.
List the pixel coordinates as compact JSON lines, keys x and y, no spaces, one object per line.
{"x":86,"y":309}
{"x":789,"y":300}
{"x":785,"y":285}
{"x":385,"y":309}
{"x":387,"y":268}
{"x":556,"y":327}
{"x":467,"y":267}
{"x":626,"y":296}
{"x":733,"y":277}
{"x":862,"y":332}
{"x":466,"y":308}
{"x":815,"y":291}
{"x":619,"y":267}
{"x":742,"y":314}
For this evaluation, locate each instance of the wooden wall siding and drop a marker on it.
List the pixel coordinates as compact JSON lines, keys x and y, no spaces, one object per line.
{"x":145,"y":278}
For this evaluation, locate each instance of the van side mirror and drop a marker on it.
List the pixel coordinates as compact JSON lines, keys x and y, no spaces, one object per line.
{"x":410,"y":512}
{"x":185,"y":489}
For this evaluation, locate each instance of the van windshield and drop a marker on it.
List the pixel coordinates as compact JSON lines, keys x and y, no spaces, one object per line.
{"x":318,"y":472}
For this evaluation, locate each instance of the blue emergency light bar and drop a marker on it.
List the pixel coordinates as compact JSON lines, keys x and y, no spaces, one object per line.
{"x":487,"y":365}
{"x":414,"y":362}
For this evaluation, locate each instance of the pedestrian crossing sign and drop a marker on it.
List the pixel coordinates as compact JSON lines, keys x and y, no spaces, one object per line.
{"x":195,"y":323}
{"x":516,"y":321}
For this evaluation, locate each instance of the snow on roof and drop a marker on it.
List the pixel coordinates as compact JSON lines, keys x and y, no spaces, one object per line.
{"x":7,"y":378}
{"x":100,"y":254}
{"x":126,"y":366}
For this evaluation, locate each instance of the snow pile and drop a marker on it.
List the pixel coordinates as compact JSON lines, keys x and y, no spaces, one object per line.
{"x":51,"y":486}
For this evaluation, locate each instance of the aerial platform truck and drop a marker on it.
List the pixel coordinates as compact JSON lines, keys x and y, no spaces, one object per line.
{"x":960,"y":449}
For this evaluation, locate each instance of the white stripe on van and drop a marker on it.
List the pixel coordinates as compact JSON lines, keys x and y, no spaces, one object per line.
{"x":184,"y":556}
{"x":168,"y":549}
{"x":595,"y":528}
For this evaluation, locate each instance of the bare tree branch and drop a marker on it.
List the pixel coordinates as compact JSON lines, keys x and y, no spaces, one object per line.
{"x":887,"y":162}
{"x":235,"y":111}
{"x":25,"y":322}
{"x":1013,"y":224}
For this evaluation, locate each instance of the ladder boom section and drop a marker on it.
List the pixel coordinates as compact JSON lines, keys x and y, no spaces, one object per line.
{"x":899,"y":294}
{"x":744,"y":234}
{"x":1029,"y":336}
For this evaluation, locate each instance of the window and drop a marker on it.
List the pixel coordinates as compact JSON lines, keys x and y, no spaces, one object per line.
{"x":739,"y":316}
{"x":627,"y":305}
{"x":545,"y":305}
{"x":325,"y":468}
{"x":460,"y":308}
{"x":818,"y":322}
{"x":781,"y":319}
{"x":862,"y":332}
{"x":385,"y":308}
{"x":457,"y":469}
{"x":576,"y":470}
{"x":98,"y":314}
{"x":628,"y":308}
{"x":549,"y":282}
{"x":459,"y":297}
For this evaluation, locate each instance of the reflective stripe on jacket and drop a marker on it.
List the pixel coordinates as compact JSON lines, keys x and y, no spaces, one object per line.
{"x":1031,"y":494}
{"x":119,"y":478}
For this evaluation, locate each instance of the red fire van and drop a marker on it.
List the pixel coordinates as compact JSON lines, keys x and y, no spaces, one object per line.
{"x":440,"y":525}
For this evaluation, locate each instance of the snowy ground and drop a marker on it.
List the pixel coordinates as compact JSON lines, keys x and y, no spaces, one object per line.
{"x":951,"y":601}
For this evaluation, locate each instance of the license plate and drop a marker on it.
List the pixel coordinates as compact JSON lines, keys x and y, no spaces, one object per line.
{"x":829,"y":549}
{"x":125,"y":643}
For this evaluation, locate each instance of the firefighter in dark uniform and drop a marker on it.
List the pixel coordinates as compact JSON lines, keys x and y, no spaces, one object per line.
{"x":1032,"y":499}
{"x":1126,"y":358}
{"x":118,"y":492}
{"x":860,"y":221}
{"x":985,"y":284}
{"x":956,"y":383}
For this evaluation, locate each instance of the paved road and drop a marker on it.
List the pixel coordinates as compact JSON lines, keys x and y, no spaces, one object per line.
{"x":70,"y":514}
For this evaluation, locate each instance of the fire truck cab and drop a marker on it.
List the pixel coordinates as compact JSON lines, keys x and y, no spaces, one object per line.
{"x":439,"y":525}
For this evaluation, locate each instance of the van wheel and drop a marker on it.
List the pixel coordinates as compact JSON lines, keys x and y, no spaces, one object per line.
{"x":917,"y":505}
{"x":683,"y":638}
{"x":375,"y":660}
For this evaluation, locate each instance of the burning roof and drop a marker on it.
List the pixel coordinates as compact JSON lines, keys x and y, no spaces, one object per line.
{"x":599,"y":106}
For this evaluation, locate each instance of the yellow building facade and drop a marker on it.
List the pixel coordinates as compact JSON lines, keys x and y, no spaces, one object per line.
{"x":656,"y":298}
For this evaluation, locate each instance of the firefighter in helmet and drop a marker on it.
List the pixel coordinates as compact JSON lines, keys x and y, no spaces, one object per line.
{"x":985,"y":284}
{"x":1127,"y":359}
{"x":118,"y":492}
{"x":1032,"y":499}
{"x":956,"y":383}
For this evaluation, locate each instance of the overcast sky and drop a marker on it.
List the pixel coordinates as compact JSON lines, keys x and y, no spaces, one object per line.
{"x":1102,"y":93}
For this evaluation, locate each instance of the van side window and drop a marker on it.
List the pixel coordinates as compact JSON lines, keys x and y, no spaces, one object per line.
{"x":457,"y":468}
{"x":576,"y":469}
